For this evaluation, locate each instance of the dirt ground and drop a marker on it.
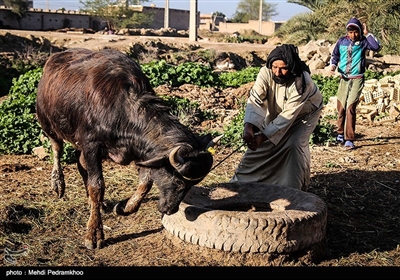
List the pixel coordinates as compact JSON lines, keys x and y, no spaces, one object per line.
{"x":360,"y":187}
{"x":99,"y":41}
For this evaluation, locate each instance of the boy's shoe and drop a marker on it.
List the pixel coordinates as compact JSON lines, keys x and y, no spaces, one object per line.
{"x":340,"y":138}
{"x":349,"y":145}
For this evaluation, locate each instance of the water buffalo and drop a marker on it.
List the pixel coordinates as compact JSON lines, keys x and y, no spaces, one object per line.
{"x":103,"y":104}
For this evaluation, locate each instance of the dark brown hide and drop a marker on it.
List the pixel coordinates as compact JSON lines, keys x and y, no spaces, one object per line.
{"x":104,"y":105}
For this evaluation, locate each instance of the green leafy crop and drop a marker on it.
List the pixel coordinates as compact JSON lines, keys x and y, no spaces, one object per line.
{"x":19,"y":129}
{"x":239,"y":78}
{"x":160,"y":73}
{"x":328,"y":85}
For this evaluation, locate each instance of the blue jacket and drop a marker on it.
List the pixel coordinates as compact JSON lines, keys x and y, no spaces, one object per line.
{"x":349,"y":56}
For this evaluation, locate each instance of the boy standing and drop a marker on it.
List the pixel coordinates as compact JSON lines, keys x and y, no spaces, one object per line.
{"x":348,"y":57}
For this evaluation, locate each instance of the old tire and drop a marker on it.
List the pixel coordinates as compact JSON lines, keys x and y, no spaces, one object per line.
{"x":249,"y":217}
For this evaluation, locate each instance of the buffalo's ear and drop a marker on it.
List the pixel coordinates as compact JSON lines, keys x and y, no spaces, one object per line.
{"x":153,"y":163}
{"x":204,"y":140}
{"x":207,"y":141}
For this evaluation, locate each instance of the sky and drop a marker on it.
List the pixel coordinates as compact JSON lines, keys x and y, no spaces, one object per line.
{"x":228,"y":7}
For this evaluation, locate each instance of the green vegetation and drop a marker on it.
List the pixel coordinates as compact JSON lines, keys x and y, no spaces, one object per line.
{"x":239,"y":78}
{"x":160,"y":73}
{"x":188,"y":112}
{"x":234,"y":131}
{"x":327,"y":85}
{"x":19,"y":130}
{"x":332,"y":165}
{"x":323,"y":132}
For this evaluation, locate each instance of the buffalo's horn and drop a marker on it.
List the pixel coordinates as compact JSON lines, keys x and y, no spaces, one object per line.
{"x":214,"y":141}
{"x":175,"y":159}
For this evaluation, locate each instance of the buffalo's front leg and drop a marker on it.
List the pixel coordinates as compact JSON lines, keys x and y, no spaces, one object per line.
{"x":132,"y":204}
{"x":82,"y":167}
{"x":95,"y":236}
{"x":95,"y":188}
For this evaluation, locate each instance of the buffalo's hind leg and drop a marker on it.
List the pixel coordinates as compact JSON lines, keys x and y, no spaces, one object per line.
{"x":81,"y":164}
{"x":57,"y":175}
{"x":132,"y":204}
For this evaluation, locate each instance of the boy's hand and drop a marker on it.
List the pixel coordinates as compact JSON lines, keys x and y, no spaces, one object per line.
{"x":365,"y":29}
{"x":332,"y":69}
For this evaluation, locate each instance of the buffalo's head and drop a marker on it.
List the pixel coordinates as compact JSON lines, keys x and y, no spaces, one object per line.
{"x":186,"y":167}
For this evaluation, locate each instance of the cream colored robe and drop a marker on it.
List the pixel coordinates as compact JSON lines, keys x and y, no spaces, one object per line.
{"x":287,"y":119}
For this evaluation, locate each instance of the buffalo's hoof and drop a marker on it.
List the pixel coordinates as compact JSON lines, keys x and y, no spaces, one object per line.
{"x":119,"y":208}
{"x":91,"y":245}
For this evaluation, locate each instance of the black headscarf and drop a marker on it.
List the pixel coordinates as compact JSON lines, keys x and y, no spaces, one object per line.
{"x":290,"y":55}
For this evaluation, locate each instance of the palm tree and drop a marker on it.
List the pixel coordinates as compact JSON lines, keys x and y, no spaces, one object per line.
{"x":313,"y":5}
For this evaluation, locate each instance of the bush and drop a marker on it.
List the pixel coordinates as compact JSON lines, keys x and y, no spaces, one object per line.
{"x":239,"y":78}
{"x":328,"y":86}
{"x":234,"y":130}
{"x":160,"y":73}
{"x":19,"y":129}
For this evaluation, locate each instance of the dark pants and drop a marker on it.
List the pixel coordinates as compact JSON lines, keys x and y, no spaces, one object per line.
{"x":348,"y":95}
